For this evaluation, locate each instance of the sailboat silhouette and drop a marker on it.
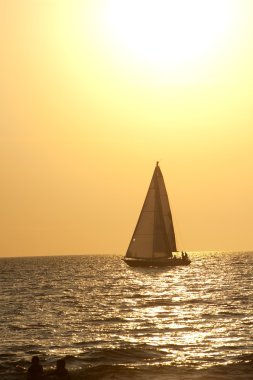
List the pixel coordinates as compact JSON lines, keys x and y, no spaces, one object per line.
{"x":153,"y":241}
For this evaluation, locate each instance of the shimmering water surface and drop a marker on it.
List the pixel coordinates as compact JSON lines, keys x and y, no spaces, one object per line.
{"x":111,"y":321}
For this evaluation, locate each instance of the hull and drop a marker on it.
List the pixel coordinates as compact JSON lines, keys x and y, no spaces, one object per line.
{"x":174,"y":262}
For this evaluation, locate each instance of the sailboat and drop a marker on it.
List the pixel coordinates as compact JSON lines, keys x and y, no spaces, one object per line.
{"x":153,"y":242}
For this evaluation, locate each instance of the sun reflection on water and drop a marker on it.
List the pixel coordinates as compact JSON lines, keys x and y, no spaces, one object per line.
{"x":197,"y":316}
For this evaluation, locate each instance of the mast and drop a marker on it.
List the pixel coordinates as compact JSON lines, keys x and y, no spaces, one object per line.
{"x":166,"y":216}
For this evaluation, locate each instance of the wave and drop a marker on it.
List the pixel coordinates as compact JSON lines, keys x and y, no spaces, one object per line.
{"x":124,"y":364}
{"x":235,"y":371}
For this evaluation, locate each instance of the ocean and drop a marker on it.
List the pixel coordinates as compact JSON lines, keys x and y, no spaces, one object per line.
{"x":110,"y":321}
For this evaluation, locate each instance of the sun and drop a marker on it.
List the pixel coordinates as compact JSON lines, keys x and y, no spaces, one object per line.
{"x":167,"y":32}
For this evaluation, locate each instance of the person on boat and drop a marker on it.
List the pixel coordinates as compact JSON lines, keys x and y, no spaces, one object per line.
{"x":184,"y":256}
{"x":35,"y":371}
{"x":61,"y":371}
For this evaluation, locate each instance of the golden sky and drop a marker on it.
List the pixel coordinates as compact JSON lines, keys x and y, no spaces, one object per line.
{"x":94,"y":92}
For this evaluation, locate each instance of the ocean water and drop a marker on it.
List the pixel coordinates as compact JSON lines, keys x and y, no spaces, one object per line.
{"x":110,"y":321}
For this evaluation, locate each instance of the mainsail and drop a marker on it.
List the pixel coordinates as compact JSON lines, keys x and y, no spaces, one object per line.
{"x":154,"y":235}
